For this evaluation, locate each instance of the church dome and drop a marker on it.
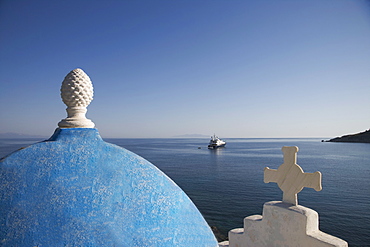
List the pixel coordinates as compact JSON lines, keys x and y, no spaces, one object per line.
{"x":75,"y":189}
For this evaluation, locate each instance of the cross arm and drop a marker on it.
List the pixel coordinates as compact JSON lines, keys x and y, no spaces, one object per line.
{"x":312,"y":180}
{"x":270,"y":175}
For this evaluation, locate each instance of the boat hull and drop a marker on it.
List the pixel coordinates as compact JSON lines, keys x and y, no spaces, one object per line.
{"x":216,"y":146}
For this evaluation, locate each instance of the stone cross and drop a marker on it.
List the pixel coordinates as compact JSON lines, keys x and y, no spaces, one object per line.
{"x":290,"y":177}
{"x":77,"y":93}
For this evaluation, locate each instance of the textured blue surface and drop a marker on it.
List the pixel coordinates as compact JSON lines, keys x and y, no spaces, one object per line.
{"x":77,"y":190}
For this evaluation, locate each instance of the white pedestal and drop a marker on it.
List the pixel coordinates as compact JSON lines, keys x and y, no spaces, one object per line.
{"x":282,"y":224}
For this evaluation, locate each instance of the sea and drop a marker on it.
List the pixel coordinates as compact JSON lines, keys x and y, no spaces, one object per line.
{"x":227,"y":185}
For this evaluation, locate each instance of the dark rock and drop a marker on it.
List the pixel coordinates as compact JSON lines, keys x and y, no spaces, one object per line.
{"x":219,"y":236}
{"x":363,"y":137}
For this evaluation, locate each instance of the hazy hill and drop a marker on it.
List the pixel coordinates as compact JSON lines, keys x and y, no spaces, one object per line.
{"x":18,"y":135}
{"x":192,"y":136}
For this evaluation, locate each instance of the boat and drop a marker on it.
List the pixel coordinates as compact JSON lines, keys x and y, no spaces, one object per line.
{"x":216,"y":142}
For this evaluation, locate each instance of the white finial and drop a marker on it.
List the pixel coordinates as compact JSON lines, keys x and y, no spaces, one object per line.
{"x":77,"y":93}
{"x":291,"y":178}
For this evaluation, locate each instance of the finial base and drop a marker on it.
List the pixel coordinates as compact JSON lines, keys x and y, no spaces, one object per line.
{"x":76,"y":119}
{"x":76,"y":123}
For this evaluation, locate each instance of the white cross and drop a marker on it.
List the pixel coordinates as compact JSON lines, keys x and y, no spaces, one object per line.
{"x":291,"y":178}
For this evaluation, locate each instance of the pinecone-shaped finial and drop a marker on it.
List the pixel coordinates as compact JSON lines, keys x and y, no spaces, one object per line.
{"x":77,"y":93}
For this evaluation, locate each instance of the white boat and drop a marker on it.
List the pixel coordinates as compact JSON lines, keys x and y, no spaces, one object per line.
{"x":216,"y":142}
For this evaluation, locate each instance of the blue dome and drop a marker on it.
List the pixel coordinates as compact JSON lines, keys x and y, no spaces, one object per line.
{"x":77,"y":190}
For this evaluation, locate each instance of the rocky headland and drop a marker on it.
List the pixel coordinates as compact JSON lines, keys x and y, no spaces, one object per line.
{"x":362,"y":137}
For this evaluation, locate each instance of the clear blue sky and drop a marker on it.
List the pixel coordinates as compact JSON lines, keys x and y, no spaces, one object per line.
{"x":164,"y":68}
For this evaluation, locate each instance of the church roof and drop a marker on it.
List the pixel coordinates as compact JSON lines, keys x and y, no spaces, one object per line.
{"x":77,"y":190}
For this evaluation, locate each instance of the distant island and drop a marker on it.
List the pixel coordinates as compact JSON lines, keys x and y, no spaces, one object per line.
{"x":191,"y":136}
{"x":18,"y":135}
{"x":362,"y":137}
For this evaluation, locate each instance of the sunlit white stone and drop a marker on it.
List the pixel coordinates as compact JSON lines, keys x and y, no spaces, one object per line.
{"x":77,"y":93}
{"x":291,"y":178}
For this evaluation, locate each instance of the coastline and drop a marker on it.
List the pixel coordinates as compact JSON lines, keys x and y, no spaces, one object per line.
{"x":362,"y":137}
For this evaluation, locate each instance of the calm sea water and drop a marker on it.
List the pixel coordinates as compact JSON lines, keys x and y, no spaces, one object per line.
{"x":227,"y":184}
